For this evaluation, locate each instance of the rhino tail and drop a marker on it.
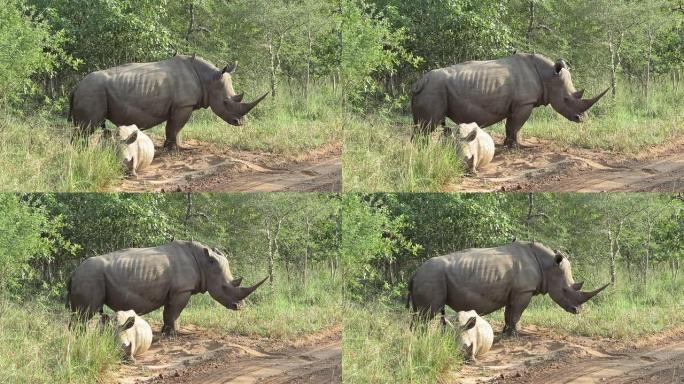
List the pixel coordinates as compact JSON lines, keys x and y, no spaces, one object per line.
{"x":410,"y":293}
{"x":71,"y":106}
{"x":68,"y":294}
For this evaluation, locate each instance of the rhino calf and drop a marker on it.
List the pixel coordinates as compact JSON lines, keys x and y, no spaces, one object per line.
{"x":477,"y":146}
{"x":138,"y":149}
{"x":477,"y":335}
{"x":134,"y":333}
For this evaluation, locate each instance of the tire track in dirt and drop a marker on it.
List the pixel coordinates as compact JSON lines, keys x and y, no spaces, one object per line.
{"x":201,"y":167}
{"x":543,"y":355}
{"x":201,"y":356}
{"x":543,"y":166}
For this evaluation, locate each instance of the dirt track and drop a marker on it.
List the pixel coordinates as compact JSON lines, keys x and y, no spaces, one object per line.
{"x":201,"y":167}
{"x":545,"y":167}
{"x":198,"y":357}
{"x":543,"y":356}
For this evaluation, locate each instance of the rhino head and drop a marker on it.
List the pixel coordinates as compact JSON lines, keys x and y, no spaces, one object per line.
{"x":564,"y":98}
{"x":120,"y":323}
{"x":223,"y":100}
{"x":562,"y":288}
{"x":220,"y":282}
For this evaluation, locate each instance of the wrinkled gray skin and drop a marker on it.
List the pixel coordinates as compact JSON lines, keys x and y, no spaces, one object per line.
{"x":148,"y":94}
{"x":487,"y":279}
{"x":486,"y":92}
{"x":144,"y":279}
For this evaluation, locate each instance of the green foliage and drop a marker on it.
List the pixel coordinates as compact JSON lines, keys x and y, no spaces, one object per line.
{"x":26,"y":235}
{"x":27,"y":47}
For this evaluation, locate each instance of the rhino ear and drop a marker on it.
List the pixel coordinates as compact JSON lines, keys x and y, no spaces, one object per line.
{"x":131,"y":138}
{"x":560,"y":64}
{"x":471,"y":136}
{"x":236,"y":282}
{"x":230,"y":68}
{"x":578,"y":94}
{"x":559,"y":258}
{"x":208,"y":255}
{"x":577,"y":286}
{"x":128,"y":324}
{"x":470,"y":323}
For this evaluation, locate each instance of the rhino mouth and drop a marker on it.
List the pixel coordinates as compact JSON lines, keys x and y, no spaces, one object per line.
{"x":574,"y":309}
{"x":235,"y":122}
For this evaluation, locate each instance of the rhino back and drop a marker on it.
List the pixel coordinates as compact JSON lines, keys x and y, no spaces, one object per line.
{"x":143,"y":336}
{"x":144,"y":93}
{"x":482,"y":279}
{"x":145,"y":150}
{"x":142,"y":279}
{"x":485,"y":148}
{"x":485,"y":91}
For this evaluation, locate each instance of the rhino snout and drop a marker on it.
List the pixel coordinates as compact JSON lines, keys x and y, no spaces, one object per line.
{"x":236,"y":122}
{"x":574,"y":309}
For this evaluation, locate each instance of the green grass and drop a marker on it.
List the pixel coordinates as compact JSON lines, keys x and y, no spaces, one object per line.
{"x":626,"y":312}
{"x":37,"y":347}
{"x":378,"y":347}
{"x":379,"y":156}
{"x":285,"y":312}
{"x":36,"y":153}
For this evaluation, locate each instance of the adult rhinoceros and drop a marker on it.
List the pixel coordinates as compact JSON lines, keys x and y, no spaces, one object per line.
{"x":144,"y":279}
{"x":486,"y":92}
{"x":487,"y":279}
{"x":148,"y":94}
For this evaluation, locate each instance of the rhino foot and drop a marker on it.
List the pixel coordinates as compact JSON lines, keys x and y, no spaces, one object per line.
{"x":510,"y":332}
{"x":168,"y":331}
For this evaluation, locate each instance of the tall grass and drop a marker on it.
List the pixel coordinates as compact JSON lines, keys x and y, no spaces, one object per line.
{"x":36,"y":154}
{"x":288,"y":124}
{"x":626,"y":311}
{"x":36,"y":346}
{"x":379,"y":347}
{"x":379,"y":156}
{"x":284,"y":312}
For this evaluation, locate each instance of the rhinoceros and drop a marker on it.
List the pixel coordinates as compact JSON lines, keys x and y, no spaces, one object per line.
{"x":487,"y":279}
{"x":144,"y":279}
{"x":477,"y":146}
{"x":148,"y":94}
{"x":133,"y":332}
{"x":486,"y":92}
{"x":477,"y":335}
{"x":138,"y":149}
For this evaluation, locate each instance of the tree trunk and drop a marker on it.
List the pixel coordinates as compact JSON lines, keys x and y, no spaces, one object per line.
{"x":613,"y":65}
{"x":648,"y":63}
{"x":271,"y":53}
{"x":530,"y":26}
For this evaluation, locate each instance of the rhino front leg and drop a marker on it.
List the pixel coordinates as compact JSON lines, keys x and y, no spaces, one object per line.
{"x":513,"y":312}
{"x":172,"y":311}
{"x":179,"y":118}
{"x":513,"y":124}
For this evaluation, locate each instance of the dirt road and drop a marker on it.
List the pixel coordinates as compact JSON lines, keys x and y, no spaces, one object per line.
{"x":201,"y":167}
{"x":543,"y":356}
{"x":197,"y":356}
{"x":545,"y":167}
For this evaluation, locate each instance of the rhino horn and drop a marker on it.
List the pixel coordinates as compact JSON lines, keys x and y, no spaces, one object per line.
{"x":588,"y":103}
{"x":246,"y":107}
{"x":586,"y":296}
{"x":246,"y":291}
